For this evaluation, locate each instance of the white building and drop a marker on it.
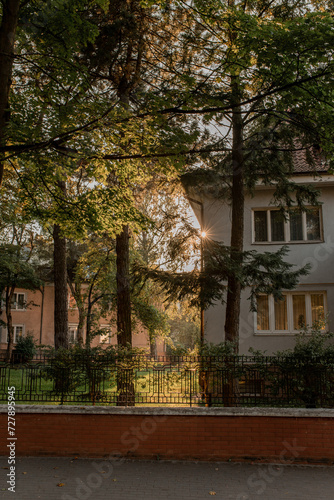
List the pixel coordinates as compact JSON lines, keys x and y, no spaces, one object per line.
{"x":310,"y":237}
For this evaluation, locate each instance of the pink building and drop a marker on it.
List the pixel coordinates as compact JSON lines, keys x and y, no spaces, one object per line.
{"x":33,"y":312}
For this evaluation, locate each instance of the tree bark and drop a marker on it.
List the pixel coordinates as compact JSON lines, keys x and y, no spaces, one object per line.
{"x":124,"y":336}
{"x":76,"y":293}
{"x":60,"y":287}
{"x":10,"y":9}
{"x":237,"y":230}
{"x":81,"y":324}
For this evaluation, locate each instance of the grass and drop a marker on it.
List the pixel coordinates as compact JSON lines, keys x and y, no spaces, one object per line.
{"x":32,"y":386}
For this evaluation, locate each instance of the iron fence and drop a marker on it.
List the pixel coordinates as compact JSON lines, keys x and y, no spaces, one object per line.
{"x":174,"y":380}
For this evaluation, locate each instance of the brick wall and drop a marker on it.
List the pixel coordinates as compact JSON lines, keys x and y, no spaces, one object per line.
{"x":188,"y":433}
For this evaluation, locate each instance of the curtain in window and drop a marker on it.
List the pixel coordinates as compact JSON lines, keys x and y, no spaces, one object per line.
{"x":262,"y":313}
{"x":313,"y":224}
{"x":299,"y":311}
{"x":277,"y":225}
{"x":20,"y":301}
{"x":18,"y":332}
{"x":72,"y":333}
{"x":260,"y":225}
{"x":317,"y":306}
{"x":13,"y":302}
{"x":296,"y":226}
{"x":281,"y":315}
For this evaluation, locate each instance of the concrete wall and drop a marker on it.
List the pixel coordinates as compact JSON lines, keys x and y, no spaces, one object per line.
{"x":275,"y":435}
{"x":320,"y":255}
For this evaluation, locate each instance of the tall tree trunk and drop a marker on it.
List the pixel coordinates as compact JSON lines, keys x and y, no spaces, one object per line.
{"x":81,"y":324}
{"x":153,"y":346}
{"x":89,"y":321}
{"x":237,"y":231}
{"x":76,"y":293}
{"x":124,"y":336}
{"x":60,"y":287}
{"x":10,"y":13}
{"x":9,"y":297}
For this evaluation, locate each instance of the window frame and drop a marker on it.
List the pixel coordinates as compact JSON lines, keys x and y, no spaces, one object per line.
{"x":75,"y":336}
{"x":290,"y":322}
{"x":4,"y":333}
{"x":286,"y":223}
{"x":108,"y":332}
{"x":16,"y":302}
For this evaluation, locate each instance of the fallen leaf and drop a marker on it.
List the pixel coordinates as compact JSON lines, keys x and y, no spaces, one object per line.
{"x":60,"y":484}
{"x":24,"y":472}
{"x":56,"y":467}
{"x":114,"y":479}
{"x":212,"y":493}
{"x":4,"y":467}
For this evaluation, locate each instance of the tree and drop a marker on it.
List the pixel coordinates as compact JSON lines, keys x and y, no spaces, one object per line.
{"x":266,"y":73}
{"x":9,"y":19}
{"x":16,"y":271}
{"x":91,"y":278}
{"x":122,"y":57}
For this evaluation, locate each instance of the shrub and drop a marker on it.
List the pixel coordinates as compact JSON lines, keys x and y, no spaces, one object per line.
{"x":305,"y":373}
{"x":25,"y":349}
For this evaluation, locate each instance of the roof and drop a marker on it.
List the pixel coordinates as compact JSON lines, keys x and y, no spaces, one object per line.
{"x":303,"y":165}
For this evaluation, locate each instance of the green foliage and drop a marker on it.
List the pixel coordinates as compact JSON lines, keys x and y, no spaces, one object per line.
{"x":305,"y":371}
{"x":25,"y":349}
{"x":15,"y":270}
{"x":184,"y":335}
{"x":216,"y":350}
{"x":266,"y":272}
{"x":312,"y":343}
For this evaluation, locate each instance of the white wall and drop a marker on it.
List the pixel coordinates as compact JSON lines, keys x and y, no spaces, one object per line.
{"x":217,"y":223}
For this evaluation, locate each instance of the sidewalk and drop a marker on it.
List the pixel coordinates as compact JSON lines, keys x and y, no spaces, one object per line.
{"x":85,"y":479}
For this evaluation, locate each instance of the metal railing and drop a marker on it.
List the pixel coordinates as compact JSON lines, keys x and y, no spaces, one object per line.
{"x":174,"y":380}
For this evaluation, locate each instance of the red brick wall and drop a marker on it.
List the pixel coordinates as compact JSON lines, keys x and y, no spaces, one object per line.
{"x":283,"y":439}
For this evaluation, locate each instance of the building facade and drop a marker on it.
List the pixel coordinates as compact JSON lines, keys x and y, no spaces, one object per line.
{"x":33,"y":312}
{"x":310,"y":238}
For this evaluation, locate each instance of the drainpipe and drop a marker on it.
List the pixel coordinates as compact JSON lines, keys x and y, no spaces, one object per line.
{"x":202,"y":258}
{"x":42,"y":314}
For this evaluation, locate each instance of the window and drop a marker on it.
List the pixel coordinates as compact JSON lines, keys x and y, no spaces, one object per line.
{"x":18,"y":332}
{"x":296,"y":311}
{"x":269,"y":225}
{"x":72,"y":333}
{"x":18,"y":301}
{"x":106,"y":336}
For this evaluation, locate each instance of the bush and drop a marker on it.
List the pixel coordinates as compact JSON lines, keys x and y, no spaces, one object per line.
{"x":305,"y":372}
{"x":25,"y":349}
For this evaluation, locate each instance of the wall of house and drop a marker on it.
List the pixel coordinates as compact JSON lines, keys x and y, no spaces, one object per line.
{"x":38,"y":318}
{"x":320,"y":255}
{"x":277,"y":435}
